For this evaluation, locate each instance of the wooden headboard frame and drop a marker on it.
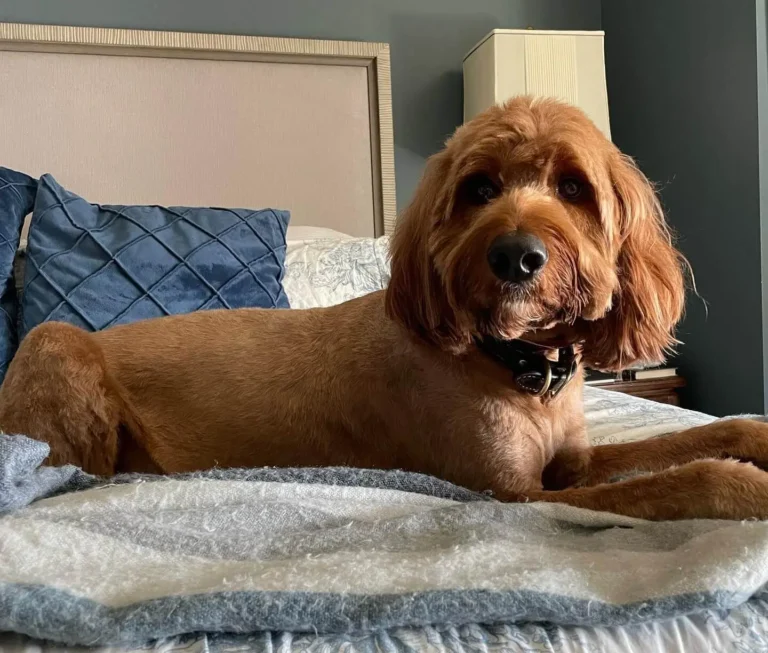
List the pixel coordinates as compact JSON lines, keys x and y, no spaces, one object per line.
{"x":373,"y":57}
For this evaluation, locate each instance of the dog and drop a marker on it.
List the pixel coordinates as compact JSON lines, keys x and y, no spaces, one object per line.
{"x":532,"y":248}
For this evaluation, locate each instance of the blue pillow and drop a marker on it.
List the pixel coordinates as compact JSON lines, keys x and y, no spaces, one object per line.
{"x":98,"y":266}
{"x":17,"y":196}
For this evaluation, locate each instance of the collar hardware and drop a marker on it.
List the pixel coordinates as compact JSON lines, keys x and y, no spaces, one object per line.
{"x":533,"y":367}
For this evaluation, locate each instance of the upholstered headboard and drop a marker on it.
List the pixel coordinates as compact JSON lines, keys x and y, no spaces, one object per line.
{"x":129,"y":116}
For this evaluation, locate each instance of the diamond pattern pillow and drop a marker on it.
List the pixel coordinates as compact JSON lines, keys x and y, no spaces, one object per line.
{"x":98,"y":266}
{"x":17,"y":196}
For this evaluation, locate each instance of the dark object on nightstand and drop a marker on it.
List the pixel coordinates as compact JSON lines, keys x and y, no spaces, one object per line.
{"x":663,"y":390}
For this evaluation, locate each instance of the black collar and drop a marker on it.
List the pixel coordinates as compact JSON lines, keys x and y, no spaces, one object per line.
{"x":531,"y":369}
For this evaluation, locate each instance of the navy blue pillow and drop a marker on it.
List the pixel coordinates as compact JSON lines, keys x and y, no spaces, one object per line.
{"x":17,"y":196}
{"x":98,"y":266}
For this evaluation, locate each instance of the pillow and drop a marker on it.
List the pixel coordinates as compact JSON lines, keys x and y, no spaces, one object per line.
{"x":17,"y":196}
{"x":328,"y":272}
{"x":98,"y":266}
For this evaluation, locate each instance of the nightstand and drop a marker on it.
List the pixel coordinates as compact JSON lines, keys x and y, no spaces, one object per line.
{"x":663,"y":390}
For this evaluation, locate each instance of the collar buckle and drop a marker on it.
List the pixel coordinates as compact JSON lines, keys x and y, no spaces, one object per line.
{"x":532,"y":371}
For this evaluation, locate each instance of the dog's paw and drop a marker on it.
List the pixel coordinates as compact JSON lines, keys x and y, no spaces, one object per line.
{"x":745,"y":440}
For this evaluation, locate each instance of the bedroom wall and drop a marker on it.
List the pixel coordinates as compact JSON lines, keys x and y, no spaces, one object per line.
{"x":683,"y":91}
{"x":762,"y":117}
{"x":428,"y":37}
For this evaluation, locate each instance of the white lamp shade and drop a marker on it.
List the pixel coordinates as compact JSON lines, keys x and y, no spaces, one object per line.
{"x":566,"y":65}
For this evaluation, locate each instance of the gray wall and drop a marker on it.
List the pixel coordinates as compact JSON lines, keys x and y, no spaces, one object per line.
{"x":762,"y":116}
{"x":429,"y":38}
{"x":683,"y":92}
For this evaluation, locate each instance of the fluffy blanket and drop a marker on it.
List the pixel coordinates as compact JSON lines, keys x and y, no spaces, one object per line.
{"x":335,"y":550}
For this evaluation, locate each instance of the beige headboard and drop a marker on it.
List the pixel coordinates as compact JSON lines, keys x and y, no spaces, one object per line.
{"x":130,"y":116}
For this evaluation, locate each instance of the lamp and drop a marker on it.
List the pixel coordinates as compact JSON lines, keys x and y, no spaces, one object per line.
{"x":566,"y":65}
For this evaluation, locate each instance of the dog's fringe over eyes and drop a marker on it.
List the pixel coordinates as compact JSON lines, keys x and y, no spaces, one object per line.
{"x":613,"y":273}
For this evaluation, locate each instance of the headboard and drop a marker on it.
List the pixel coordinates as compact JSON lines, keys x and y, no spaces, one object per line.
{"x":132,"y":116}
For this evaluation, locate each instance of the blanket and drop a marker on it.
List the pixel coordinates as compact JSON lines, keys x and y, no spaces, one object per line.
{"x":139,"y":558}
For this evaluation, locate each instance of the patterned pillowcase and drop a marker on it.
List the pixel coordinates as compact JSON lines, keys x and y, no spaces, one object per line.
{"x":331,"y":271}
{"x":17,"y":196}
{"x":98,"y":266}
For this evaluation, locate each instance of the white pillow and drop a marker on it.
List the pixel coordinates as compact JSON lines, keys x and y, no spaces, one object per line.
{"x":327,"y":272}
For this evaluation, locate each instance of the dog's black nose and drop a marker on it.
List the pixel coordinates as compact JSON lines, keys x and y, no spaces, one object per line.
{"x":517,"y":256}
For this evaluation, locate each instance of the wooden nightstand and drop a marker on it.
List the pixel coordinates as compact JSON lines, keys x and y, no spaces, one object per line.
{"x":663,"y":390}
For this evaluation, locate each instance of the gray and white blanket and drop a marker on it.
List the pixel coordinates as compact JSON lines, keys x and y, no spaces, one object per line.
{"x":335,"y":550}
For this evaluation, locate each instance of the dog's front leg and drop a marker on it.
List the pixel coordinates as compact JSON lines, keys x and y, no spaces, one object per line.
{"x":704,"y":489}
{"x":740,"y":439}
{"x":721,"y":488}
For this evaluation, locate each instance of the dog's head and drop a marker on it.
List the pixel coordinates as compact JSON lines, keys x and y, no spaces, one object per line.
{"x":531,"y":222}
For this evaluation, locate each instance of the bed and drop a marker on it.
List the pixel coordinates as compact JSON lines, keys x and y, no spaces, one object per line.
{"x":309,"y":560}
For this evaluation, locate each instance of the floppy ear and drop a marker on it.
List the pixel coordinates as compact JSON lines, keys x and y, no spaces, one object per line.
{"x":416,"y":295}
{"x":650,"y":296}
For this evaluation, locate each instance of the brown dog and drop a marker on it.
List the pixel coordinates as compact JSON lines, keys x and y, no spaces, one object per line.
{"x":529,"y":227}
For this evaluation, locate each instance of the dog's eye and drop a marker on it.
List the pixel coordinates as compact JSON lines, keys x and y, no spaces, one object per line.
{"x":479,"y":189}
{"x":570,"y":188}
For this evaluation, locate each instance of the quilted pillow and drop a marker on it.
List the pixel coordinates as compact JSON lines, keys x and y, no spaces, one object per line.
{"x":17,"y":196}
{"x":98,"y":266}
{"x":326,"y":272}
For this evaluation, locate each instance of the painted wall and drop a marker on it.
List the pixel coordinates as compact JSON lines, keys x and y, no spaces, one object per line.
{"x":683,"y":92}
{"x":762,"y":117}
{"x":429,"y":39}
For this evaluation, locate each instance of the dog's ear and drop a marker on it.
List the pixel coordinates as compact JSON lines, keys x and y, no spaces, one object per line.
{"x":416,"y":296}
{"x":650,"y":296}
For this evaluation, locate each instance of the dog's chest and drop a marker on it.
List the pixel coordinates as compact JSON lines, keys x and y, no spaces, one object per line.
{"x":505,"y":419}
{"x":525,"y":421}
